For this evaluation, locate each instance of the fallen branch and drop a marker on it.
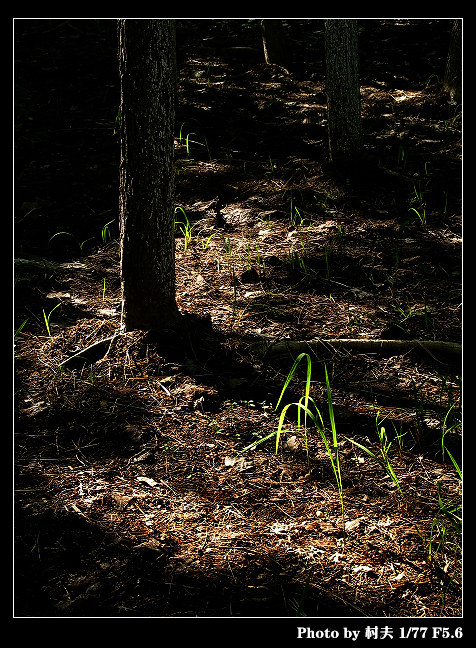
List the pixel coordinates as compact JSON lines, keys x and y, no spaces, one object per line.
{"x":291,"y":348}
{"x":450,"y":350}
{"x":91,"y":353}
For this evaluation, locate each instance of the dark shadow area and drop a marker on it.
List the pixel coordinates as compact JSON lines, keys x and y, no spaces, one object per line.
{"x":66,"y":101}
{"x":106,"y":576}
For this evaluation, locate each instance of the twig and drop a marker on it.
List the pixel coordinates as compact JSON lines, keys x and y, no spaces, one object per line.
{"x":95,"y":347}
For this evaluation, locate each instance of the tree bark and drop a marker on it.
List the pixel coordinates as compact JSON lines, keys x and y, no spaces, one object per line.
{"x":453,"y":72}
{"x":343,"y":90}
{"x":147,"y":72}
{"x":274,"y":43}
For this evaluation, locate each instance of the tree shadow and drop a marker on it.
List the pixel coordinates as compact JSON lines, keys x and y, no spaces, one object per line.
{"x":68,"y":566}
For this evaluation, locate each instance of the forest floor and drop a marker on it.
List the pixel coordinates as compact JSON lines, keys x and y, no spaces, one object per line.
{"x":133,"y":496}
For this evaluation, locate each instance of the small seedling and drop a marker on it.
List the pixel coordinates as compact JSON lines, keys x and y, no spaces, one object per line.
{"x":406,"y":315}
{"x":272,"y":167}
{"x":450,"y":123}
{"x":323,"y":204}
{"x":447,"y":520}
{"x":418,"y":193}
{"x":20,"y":328}
{"x":106,"y":233}
{"x":80,"y":245}
{"x":304,"y":405}
{"x":187,"y":145}
{"x":296,"y":261}
{"x":399,"y":437}
{"x":248,"y":257}
{"x":189,"y":141}
{"x":227,"y":244}
{"x":384,"y":447}
{"x":430,"y":79}
{"x":206,"y":242}
{"x":259,"y":259}
{"x":444,"y":431}
{"x":295,"y":217}
{"x":421,"y":215}
{"x":48,"y":317}
{"x":402,"y":157}
{"x":184,"y":227}
{"x":206,"y":72}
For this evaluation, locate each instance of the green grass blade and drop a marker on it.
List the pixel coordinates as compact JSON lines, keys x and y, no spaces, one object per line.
{"x":291,"y":373}
{"x":47,"y":323}
{"x":47,"y":317}
{"x":455,"y":464}
{"x":330,"y":406}
{"x":258,"y":442}
{"x":20,"y":328}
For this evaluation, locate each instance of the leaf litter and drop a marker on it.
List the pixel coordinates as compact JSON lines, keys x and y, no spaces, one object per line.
{"x":131,"y":496}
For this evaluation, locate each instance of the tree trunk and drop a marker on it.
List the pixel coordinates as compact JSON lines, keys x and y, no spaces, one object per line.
{"x":273,"y":42}
{"x":453,"y":71}
{"x":146,"y":191}
{"x":343,"y":90}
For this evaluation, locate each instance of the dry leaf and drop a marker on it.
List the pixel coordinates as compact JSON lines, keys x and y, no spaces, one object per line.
{"x":237,"y":462}
{"x":279,"y":529}
{"x":398,"y":577}
{"x":121,"y":500}
{"x":353,"y":524}
{"x":293,"y":443}
{"x":387,"y":523}
{"x":148,"y":480}
{"x":360,"y":568}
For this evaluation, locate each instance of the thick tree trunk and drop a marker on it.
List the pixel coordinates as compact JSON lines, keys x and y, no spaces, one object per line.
{"x":146,"y":192}
{"x":453,"y":72}
{"x":273,"y":42}
{"x":343,"y":90}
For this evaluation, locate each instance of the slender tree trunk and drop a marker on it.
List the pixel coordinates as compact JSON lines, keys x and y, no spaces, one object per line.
{"x":453,"y":71}
{"x":343,"y":90}
{"x":146,"y":192}
{"x":273,"y":42}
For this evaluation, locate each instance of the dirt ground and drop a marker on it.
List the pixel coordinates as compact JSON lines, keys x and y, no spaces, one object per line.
{"x":133,"y":496}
